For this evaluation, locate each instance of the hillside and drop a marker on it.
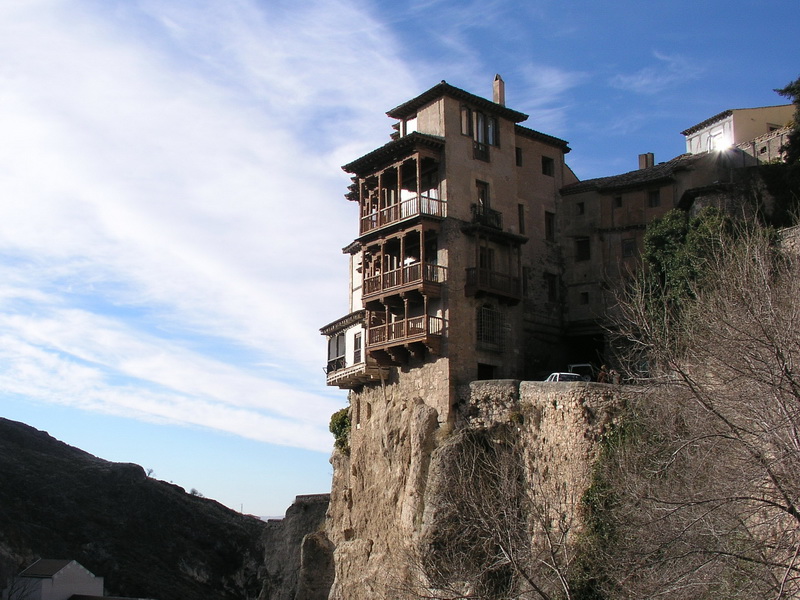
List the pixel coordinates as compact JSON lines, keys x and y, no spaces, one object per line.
{"x":148,"y":538}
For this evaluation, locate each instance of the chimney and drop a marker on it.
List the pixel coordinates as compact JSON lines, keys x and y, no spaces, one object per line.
{"x":646,"y":160}
{"x":499,"y":91}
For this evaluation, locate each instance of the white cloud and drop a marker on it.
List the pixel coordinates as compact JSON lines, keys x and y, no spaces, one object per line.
{"x":670,"y":70}
{"x":170,"y":181}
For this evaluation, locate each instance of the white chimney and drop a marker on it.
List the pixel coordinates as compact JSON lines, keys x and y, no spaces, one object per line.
{"x":499,"y":91}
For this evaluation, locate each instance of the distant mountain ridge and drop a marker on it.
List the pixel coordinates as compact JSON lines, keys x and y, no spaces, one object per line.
{"x":148,"y":538}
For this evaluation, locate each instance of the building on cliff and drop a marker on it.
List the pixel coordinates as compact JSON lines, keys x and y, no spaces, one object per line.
{"x":456,"y":268}
{"x":481,"y":256}
{"x":480,"y":261}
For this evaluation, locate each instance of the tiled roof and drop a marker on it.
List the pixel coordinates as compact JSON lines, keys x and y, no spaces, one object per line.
{"x":392,"y":151}
{"x":707,"y":122}
{"x":408,"y":109}
{"x":45,"y":567}
{"x":660,"y":172}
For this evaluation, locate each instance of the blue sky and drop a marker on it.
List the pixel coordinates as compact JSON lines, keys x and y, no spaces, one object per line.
{"x":171,"y":198}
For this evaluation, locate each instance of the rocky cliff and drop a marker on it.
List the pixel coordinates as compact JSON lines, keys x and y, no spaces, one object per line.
{"x":412,"y":489}
{"x":146,"y":537}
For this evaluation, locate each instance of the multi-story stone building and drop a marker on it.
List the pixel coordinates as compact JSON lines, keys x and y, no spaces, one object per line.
{"x":455,"y":273}
{"x":481,"y":256}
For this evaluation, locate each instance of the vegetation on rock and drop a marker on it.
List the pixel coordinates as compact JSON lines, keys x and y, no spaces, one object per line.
{"x":340,"y":428}
{"x":707,"y":486}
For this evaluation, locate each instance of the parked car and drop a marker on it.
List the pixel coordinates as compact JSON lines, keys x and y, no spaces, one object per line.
{"x":564,"y":377}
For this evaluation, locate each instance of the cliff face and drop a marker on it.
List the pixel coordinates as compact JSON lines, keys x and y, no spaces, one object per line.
{"x":148,"y":538}
{"x":395,"y":498}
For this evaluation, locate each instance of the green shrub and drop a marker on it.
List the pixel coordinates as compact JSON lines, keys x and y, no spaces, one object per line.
{"x":340,"y":428}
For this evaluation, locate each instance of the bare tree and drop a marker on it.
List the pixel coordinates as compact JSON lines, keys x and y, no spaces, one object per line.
{"x":502,"y":530}
{"x":706,"y":477}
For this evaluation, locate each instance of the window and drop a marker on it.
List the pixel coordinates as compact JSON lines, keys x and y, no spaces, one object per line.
{"x":482,"y":189}
{"x":336,"y":350}
{"x":617,"y":202}
{"x":521,"y":218}
{"x":550,"y":226}
{"x":490,"y":328}
{"x":357,"y":349}
{"x":582,"y":249}
{"x":486,"y":258}
{"x":580,"y":208}
{"x":628,"y":248}
{"x":518,"y":155}
{"x":482,"y":128}
{"x":551,"y":286}
{"x":654,"y":198}
{"x":466,"y":121}
{"x":583,"y":298}
{"x":548,"y":166}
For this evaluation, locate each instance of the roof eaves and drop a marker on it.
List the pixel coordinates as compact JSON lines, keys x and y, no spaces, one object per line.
{"x":392,"y":150}
{"x":562,"y":145}
{"x":710,"y":121}
{"x":410,"y":107}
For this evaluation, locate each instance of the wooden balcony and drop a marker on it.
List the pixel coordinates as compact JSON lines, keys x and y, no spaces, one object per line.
{"x":346,"y":377}
{"x":425,"y":278}
{"x":486,"y":281}
{"x":413,"y":207}
{"x":423,"y":329}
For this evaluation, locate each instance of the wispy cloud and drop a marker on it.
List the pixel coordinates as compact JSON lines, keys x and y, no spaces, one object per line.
{"x":669,"y":71}
{"x":546,"y":95}
{"x":172,"y":208}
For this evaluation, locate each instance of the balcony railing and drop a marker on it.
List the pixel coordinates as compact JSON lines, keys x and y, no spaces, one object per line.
{"x":405,"y":330}
{"x":335,"y":364}
{"x":418,"y":205}
{"x":493,"y":282}
{"x":486,"y":216}
{"x":409,"y":276}
{"x":344,"y":376}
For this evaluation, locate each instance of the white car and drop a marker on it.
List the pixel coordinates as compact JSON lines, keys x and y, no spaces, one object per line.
{"x":564,"y":377}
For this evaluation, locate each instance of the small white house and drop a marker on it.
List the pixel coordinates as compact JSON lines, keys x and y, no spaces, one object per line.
{"x":53,"y":579}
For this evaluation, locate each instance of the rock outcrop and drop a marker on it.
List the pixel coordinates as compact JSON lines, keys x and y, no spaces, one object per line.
{"x":146,"y":537}
{"x":388,"y":492}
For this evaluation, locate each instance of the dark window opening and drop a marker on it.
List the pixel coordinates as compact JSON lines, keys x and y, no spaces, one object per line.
{"x":580,"y":208}
{"x":548,"y":166}
{"x":584,"y":298}
{"x":583,"y":249}
{"x":490,"y":328}
{"x":654,"y":198}
{"x":521,"y":218}
{"x":518,"y":156}
{"x":483,"y":193}
{"x":617,"y":201}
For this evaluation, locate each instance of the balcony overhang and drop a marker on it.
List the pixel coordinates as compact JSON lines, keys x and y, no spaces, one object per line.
{"x":392,"y":152}
{"x":357,"y":375}
{"x":354,"y":318}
